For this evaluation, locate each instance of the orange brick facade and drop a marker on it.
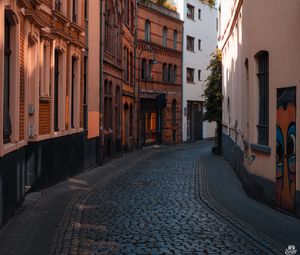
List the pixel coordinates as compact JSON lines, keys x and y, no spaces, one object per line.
{"x":72,"y":96}
{"x":162,"y":77}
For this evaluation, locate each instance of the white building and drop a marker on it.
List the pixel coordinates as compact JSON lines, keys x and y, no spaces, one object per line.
{"x":199,"y":42}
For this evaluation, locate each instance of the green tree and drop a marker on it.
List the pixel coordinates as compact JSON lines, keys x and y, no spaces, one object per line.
{"x":213,"y":94}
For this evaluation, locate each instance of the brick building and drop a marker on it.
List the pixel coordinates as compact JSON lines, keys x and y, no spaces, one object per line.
{"x":159,"y":61}
{"x":41,"y":99}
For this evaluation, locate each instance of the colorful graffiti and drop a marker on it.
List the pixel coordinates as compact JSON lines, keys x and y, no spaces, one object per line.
{"x":286,"y":148}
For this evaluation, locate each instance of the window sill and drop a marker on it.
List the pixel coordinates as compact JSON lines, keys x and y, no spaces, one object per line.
{"x":193,"y":51}
{"x":191,"y":82}
{"x":45,"y":99}
{"x":261,"y":148}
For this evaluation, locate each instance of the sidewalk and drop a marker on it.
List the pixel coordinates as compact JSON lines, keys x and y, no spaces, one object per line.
{"x":33,"y":230}
{"x":227,"y":191}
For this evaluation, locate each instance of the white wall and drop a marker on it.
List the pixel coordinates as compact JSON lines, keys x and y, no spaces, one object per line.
{"x":205,"y":30}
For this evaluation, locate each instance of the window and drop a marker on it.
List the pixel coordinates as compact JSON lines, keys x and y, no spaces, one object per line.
{"x":190,"y":11}
{"x":165,"y":37}
{"x":127,"y":12}
{"x":106,"y":113}
{"x":125,"y":64}
{"x":147,"y":31}
{"x":170,"y":77}
{"x":74,"y":11}
{"x":132,"y":16}
{"x":117,"y":115}
{"x":107,"y":104}
{"x":73,"y":91}
{"x":165,"y":73}
{"x":7,"y":129}
{"x":56,"y":87}
{"x":174,"y":112}
{"x":86,"y":9}
{"x":131,"y":68}
{"x":263,"y":83}
{"x":175,"y":74}
{"x":45,"y":71}
{"x":128,"y":65}
{"x":144,"y":69}
{"x":190,"y":43}
{"x":107,"y":31}
{"x":175,"y":39}
{"x":150,"y":66}
{"x":131,"y":120}
{"x":199,"y":75}
{"x":190,"y":75}
{"x":85,"y":104}
{"x":199,"y":14}
{"x":58,"y":5}
{"x":110,"y":115}
{"x":199,"y":44}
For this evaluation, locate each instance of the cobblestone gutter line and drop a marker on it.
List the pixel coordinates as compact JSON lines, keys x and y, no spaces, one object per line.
{"x":247,"y":231}
{"x":66,"y":240}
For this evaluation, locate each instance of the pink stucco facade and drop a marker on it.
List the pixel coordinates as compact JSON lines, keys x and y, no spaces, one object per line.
{"x":247,"y":28}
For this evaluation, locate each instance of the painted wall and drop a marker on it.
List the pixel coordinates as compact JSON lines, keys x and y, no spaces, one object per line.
{"x":247,"y":29}
{"x":93,"y":69}
{"x":204,"y":29}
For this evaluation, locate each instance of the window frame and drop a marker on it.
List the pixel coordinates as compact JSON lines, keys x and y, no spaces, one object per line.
{"x":187,"y":75}
{"x":190,"y":39}
{"x":190,"y":13}
{"x":262,"y":59}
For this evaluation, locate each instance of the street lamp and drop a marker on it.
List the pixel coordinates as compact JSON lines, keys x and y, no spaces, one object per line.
{"x":154,"y":62}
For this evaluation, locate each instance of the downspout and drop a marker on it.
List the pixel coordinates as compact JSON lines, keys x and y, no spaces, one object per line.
{"x":100,"y":87}
{"x":136,"y":111}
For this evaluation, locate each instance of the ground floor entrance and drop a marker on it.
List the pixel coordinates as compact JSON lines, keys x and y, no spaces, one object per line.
{"x":194,"y":120}
{"x":151,"y":128}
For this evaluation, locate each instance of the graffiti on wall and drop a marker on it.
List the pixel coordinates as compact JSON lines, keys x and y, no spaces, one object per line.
{"x":286,"y":148}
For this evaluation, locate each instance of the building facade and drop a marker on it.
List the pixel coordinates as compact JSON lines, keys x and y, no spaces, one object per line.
{"x":159,"y":62}
{"x":261,"y":90}
{"x":199,"y":42}
{"x":41,"y":100}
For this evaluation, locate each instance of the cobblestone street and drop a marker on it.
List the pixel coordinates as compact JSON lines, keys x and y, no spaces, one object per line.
{"x":156,"y":209}
{"x":154,"y":201}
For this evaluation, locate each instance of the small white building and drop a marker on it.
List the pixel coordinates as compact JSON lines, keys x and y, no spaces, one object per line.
{"x":199,"y":42}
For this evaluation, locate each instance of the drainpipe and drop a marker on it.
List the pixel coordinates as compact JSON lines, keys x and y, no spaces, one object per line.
{"x":136,"y":87}
{"x":100,"y":87}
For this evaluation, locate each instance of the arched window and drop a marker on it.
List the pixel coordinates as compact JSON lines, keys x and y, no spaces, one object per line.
{"x":175,"y":74}
{"x":165,"y":36}
{"x":144,"y":69}
{"x":174,"y":112}
{"x":147,"y":31}
{"x":262,"y":58}
{"x":150,"y":66}
{"x":165,"y":73}
{"x":175,"y":34}
{"x":170,"y":77}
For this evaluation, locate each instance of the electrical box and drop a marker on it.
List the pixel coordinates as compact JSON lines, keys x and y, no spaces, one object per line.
{"x":31,"y":109}
{"x":31,"y":130}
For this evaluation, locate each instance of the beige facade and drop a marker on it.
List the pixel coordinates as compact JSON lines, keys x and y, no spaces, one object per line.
{"x":260,"y":47}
